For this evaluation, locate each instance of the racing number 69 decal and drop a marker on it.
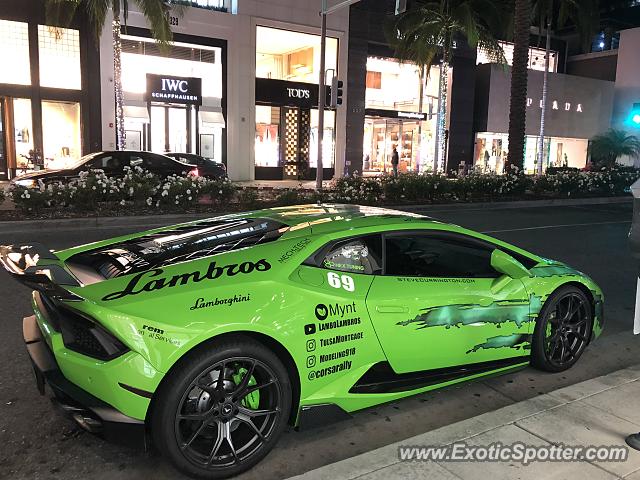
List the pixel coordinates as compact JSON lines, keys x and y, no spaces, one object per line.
{"x":341,"y":281}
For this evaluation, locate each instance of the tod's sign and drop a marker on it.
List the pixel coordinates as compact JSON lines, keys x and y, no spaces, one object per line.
{"x":170,"y":89}
{"x":284,"y":93}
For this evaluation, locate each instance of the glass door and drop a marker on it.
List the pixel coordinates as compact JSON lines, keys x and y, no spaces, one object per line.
{"x":169,"y":129}
{"x":177,"y":121}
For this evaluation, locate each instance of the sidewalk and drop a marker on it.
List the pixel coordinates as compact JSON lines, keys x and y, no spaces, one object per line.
{"x":601,"y":411}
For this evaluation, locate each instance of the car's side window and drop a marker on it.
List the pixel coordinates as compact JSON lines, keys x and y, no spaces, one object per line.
{"x":355,"y":255}
{"x":423,"y":255}
{"x":107,"y":163}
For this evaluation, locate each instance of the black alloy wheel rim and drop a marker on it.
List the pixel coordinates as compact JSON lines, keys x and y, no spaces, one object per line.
{"x":216,"y":426}
{"x":567,"y":329}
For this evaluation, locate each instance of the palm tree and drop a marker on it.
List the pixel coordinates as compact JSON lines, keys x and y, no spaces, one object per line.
{"x":436,"y":27}
{"x":554,"y":14}
{"x":606,"y":148}
{"x":518,"y":99}
{"x":584,"y":14}
{"x":154,"y":11}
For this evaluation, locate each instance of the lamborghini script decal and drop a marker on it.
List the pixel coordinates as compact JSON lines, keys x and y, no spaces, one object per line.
{"x":214,"y":271}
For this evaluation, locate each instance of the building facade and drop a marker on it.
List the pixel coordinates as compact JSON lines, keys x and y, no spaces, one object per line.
{"x":577,"y":109}
{"x":48,"y":85}
{"x":250,"y":80}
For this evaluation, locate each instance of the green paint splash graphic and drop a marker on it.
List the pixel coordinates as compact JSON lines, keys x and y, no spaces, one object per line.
{"x":497,"y":313}
{"x":517,"y":341}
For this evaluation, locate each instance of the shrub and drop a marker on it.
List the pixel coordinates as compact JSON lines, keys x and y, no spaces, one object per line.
{"x":138,"y":185}
{"x":248,"y":198}
{"x":221,"y":191}
{"x":356,"y":189}
{"x":31,"y":198}
{"x":292,"y":196}
{"x":2,"y":195}
{"x":177,"y":191}
{"x":90,"y":189}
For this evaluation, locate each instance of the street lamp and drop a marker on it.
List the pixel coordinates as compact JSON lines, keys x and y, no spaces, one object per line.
{"x":322,"y":94}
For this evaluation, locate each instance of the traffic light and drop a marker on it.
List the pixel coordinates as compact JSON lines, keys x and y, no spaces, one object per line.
{"x":635,"y":114}
{"x":336,"y":92}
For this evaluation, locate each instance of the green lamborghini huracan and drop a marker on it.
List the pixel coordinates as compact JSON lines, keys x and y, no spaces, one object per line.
{"x":207,"y":338}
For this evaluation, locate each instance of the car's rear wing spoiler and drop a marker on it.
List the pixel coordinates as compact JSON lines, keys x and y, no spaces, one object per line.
{"x":38,"y":268}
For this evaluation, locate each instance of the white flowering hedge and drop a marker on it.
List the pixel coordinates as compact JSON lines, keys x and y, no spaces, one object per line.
{"x":413,"y":187}
{"x":141,"y":190}
{"x":138,"y":188}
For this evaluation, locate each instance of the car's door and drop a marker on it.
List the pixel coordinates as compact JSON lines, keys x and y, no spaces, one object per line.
{"x":440,"y":304}
{"x":331,"y":308}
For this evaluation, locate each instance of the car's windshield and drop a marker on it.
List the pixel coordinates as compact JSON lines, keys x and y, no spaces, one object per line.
{"x":82,"y":160}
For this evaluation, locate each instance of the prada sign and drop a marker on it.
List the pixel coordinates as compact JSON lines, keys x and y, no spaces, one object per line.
{"x":169,"y":89}
{"x":283,"y":93}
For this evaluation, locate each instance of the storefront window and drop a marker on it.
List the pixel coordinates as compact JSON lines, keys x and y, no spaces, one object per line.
{"x":23,"y":125}
{"x":59,"y":50}
{"x":61,"y":133}
{"x":396,"y":116}
{"x":492,"y":149}
{"x":173,"y":125}
{"x":14,"y":52}
{"x":394,"y":85}
{"x":414,"y":141}
{"x":328,"y":140}
{"x":141,"y":56}
{"x":294,"y":56}
{"x":267,"y":136}
{"x":536,"y":57}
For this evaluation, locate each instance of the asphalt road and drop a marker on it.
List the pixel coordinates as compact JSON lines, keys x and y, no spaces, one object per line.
{"x":35,"y":442}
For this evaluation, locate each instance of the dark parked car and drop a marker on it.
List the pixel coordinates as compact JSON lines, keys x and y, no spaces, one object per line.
{"x":113,"y":164}
{"x":206,"y":167}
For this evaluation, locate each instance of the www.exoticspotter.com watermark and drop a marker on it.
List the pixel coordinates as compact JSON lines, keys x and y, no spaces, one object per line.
{"x":515,"y":452}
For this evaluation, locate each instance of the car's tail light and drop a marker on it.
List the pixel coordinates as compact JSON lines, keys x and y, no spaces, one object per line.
{"x":194,"y":172}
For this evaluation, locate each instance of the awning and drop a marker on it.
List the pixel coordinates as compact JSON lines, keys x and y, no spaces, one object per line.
{"x":136,"y":113}
{"x":212,"y":118}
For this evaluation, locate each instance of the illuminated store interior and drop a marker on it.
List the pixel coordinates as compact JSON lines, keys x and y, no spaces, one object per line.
{"x":24,"y":107}
{"x":294,"y":56}
{"x":286,"y":139}
{"x":536,"y":57}
{"x":163,"y":126}
{"x":492,"y":148}
{"x":392,"y":102}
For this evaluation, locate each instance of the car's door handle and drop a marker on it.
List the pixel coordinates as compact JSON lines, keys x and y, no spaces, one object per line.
{"x":391,"y":309}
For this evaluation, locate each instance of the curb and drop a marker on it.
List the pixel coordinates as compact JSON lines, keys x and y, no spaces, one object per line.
{"x":150,"y":221}
{"x":386,"y":456}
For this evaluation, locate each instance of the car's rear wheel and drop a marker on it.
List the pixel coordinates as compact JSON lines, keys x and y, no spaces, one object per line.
{"x":222,"y":409}
{"x":562,"y":330}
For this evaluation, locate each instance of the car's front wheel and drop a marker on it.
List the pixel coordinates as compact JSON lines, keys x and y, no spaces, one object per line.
{"x":222,"y":409}
{"x":562,"y":330}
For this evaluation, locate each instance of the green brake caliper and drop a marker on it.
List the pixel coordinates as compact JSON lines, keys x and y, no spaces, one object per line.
{"x":252,"y":400}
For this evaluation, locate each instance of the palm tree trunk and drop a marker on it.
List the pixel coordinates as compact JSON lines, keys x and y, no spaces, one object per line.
{"x":518,"y":101}
{"x":117,"y":83}
{"x":441,"y":125}
{"x":420,"y":105}
{"x":541,"y":152}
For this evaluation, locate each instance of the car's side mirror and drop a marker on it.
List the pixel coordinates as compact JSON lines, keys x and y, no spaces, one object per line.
{"x":507,"y":265}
